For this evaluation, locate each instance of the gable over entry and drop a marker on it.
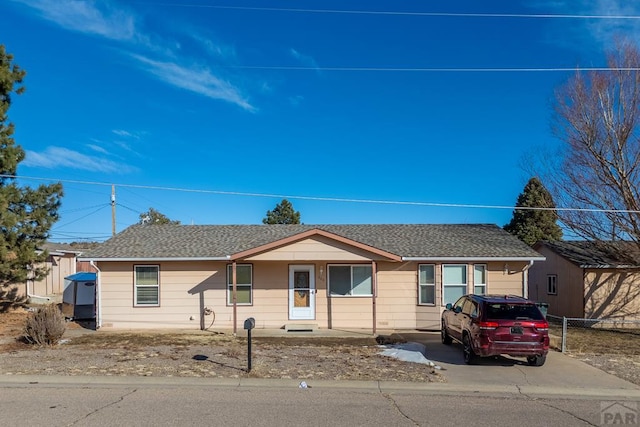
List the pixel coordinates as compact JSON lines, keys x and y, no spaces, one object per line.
{"x":313,"y":245}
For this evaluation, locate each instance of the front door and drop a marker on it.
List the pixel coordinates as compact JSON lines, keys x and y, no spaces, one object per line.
{"x":302,"y":292}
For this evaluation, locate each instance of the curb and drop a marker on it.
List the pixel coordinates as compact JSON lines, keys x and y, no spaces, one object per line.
{"x":50,"y":381}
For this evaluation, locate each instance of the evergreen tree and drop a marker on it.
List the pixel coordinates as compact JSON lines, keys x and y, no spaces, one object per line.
{"x":531,"y":225}
{"x":155,"y":217}
{"x":26,"y":214}
{"x":283,"y":213}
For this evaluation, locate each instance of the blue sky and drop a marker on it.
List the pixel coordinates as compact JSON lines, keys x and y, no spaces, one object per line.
{"x":236,"y":104}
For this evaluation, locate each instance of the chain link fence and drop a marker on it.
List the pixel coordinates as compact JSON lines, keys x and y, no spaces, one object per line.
{"x":599,"y":336}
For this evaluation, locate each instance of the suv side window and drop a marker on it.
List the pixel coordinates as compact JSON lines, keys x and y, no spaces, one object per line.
{"x":470,"y":308}
{"x":457,"y":307}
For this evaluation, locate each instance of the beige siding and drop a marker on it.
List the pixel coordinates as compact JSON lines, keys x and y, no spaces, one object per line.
{"x":569,"y":300}
{"x":504,"y":278}
{"x":181,"y":286}
{"x":612,"y":294}
{"x":397,"y":295}
{"x":318,"y":248}
{"x":186,"y":288}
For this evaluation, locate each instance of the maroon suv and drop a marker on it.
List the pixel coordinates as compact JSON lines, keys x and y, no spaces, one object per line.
{"x":490,"y":325}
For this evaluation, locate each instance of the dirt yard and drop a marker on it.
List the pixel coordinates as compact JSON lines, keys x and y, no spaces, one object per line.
{"x":201,"y":354}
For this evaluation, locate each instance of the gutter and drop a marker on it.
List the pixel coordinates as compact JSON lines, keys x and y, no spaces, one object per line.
{"x":148,"y":259}
{"x":98,"y":296}
{"x":483,"y":259}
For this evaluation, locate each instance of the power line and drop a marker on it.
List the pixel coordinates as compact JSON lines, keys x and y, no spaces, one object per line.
{"x":64,"y":212}
{"x":82,"y":217}
{"x":327,"y":199}
{"x":397,"y":13}
{"x":432,"y":70}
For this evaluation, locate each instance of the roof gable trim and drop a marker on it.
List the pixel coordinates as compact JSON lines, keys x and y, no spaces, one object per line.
{"x":314,"y":232}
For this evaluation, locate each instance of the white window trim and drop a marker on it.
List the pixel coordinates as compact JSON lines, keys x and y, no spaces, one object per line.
{"x":486,"y":277}
{"x":555,"y":284}
{"x":444,"y":285}
{"x":350,"y":295}
{"x":135,"y":286}
{"x":421,"y":285}
{"x":244,"y":285}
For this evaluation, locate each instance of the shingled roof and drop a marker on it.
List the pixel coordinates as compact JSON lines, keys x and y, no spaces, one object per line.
{"x":594,"y":254}
{"x":404,"y":240}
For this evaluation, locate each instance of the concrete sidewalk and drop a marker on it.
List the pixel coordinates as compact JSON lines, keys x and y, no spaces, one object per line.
{"x":530,"y":391}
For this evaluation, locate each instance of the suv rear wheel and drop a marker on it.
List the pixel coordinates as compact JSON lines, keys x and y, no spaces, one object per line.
{"x":446,"y":338}
{"x":467,"y":350}
{"x":536,"y":360}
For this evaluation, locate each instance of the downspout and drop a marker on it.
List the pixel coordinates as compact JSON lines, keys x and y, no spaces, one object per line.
{"x":98,"y":296}
{"x":525,"y":279}
{"x":374,"y":285}
{"x":29,"y":294}
{"x":36,"y":297}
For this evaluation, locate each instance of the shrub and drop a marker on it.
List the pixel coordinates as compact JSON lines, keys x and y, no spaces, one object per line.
{"x":45,"y":326}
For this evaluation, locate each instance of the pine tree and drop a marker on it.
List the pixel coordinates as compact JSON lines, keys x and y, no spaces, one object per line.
{"x":26,"y":214}
{"x":283,"y":213}
{"x":531,"y":225}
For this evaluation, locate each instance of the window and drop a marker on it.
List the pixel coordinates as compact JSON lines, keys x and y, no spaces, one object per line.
{"x":147,"y":285}
{"x":454,"y":282}
{"x":502,"y":311}
{"x":350,"y":280}
{"x":244,"y":284}
{"x":426,"y":284}
{"x":552,"y":284}
{"x":470,"y":308}
{"x":479,"y":279}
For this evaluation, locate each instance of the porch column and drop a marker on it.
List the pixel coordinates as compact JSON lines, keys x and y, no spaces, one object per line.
{"x":234,"y":297}
{"x":374,"y":291}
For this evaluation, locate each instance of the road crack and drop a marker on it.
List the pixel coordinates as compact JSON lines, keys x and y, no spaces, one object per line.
{"x":524,"y":374}
{"x":548,"y":405}
{"x":396,"y":406}
{"x":120,"y":399}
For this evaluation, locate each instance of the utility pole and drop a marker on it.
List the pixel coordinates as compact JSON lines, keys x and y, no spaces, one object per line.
{"x":113,"y":210}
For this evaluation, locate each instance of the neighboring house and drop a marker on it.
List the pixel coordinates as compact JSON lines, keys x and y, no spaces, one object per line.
{"x":326,"y":276}
{"x":580,"y":279}
{"x":60,"y":263}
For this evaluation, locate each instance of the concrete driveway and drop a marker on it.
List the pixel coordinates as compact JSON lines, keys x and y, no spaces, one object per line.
{"x":560,"y":370}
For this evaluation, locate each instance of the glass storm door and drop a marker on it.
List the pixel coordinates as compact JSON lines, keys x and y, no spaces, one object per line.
{"x":302,"y":292}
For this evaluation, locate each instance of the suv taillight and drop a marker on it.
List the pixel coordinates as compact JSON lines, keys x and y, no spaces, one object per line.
{"x":488,"y":325}
{"x":541,"y":326}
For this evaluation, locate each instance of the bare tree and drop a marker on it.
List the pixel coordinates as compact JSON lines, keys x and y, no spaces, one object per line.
{"x":598,"y":167}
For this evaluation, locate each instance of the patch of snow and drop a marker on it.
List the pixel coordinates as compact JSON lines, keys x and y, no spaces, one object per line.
{"x":408,"y":352}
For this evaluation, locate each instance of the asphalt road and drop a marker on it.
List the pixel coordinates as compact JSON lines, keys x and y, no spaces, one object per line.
{"x":136,"y":402}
